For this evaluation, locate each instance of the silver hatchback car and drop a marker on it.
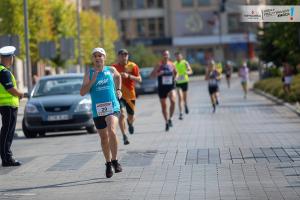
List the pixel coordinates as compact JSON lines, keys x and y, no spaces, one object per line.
{"x":56,"y":105}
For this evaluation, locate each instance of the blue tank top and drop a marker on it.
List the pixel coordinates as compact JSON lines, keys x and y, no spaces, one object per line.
{"x":167,"y":79}
{"x":212,"y":78}
{"x":103,"y":93}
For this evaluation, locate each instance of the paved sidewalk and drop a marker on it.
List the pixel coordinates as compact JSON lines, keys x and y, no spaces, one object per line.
{"x":248,"y":149}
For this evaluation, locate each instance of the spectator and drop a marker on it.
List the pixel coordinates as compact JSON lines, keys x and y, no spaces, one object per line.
{"x":287,"y":76}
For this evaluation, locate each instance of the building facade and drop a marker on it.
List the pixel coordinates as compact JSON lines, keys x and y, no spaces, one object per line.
{"x":201,"y":29}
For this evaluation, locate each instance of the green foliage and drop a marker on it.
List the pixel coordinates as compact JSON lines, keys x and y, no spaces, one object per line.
{"x":40,"y":23}
{"x":281,"y":40}
{"x":63,"y":26}
{"x":273,"y":72}
{"x":51,"y":20}
{"x":253,"y":66}
{"x":91,"y":36}
{"x":143,"y":56}
{"x":111,"y":35}
{"x":198,"y":69}
{"x":64,"y":23}
{"x":274,"y":86}
{"x":11,"y":14}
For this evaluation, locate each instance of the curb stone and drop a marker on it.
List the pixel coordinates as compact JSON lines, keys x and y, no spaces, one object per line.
{"x":293,"y":108}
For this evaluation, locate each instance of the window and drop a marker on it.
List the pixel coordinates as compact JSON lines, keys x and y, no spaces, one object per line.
{"x":141,"y":27}
{"x":140,"y":4}
{"x":187,"y":3}
{"x":122,"y":4}
{"x":126,"y":4}
{"x":234,"y":24}
{"x":58,"y":86}
{"x":123,"y":27}
{"x":129,"y":4}
{"x":150,"y":4}
{"x":152,"y":27}
{"x":198,"y":55}
{"x":161,"y":27}
{"x":203,"y":2}
{"x":160,"y":3}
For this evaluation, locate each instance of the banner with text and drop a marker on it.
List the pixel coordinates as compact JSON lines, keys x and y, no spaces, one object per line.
{"x":265,"y":13}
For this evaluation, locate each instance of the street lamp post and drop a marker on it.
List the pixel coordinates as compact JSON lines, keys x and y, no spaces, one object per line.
{"x":248,"y":36}
{"x":27,"y":49}
{"x":101,"y":22}
{"x":78,"y":33}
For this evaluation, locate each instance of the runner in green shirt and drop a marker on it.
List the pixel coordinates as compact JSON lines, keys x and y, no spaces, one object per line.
{"x":184,"y":70}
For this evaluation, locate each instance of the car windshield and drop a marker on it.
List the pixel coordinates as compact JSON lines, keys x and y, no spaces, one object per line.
{"x":58,"y":86}
{"x":145,"y":72}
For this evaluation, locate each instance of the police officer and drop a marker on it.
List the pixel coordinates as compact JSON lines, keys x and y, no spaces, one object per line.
{"x":9,"y":103}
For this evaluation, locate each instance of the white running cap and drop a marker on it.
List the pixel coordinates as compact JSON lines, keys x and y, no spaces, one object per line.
{"x":99,"y":50}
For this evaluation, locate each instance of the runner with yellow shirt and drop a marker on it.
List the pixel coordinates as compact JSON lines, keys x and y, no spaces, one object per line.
{"x":184,"y":70}
{"x":219,"y":69}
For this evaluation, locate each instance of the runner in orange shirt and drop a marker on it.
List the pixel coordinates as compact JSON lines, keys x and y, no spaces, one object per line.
{"x":130,"y":74}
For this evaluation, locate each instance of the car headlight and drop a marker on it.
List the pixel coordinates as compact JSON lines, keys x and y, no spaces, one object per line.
{"x":30,"y":108}
{"x":84,"y":105}
{"x":138,"y":85}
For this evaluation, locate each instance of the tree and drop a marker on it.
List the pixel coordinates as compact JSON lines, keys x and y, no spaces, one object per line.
{"x":12,"y":22}
{"x":280,"y":41}
{"x":11,"y":15}
{"x":91,"y":36}
{"x":51,"y":20}
{"x":143,"y":56}
{"x":111,"y":35}
{"x":64,"y":26}
{"x":40,"y":23}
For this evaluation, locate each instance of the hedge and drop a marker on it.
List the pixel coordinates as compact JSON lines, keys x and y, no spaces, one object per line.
{"x":274,"y":86}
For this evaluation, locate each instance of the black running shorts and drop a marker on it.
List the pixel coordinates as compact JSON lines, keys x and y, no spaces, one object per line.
{"x":183,"y":86}
{"x":100,"y":122}
{"x":164,"y":91}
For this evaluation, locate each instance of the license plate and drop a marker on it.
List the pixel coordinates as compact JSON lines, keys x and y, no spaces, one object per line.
{"x":58,"y":117}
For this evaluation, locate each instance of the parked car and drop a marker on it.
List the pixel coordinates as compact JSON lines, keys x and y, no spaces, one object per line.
{"x":148,"y":84}
{"x":56,"y":105}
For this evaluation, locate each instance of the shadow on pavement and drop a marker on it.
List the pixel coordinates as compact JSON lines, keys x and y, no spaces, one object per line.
{"x":65,"y":184}
{"x":52,"y":134}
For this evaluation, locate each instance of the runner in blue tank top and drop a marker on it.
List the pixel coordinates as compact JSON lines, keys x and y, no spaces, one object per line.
{"x":103,"y":83}
{"x":166,"y":74}
{"x":212,"y":76}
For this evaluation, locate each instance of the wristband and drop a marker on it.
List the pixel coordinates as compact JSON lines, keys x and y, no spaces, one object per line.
{"x":119,"y":89}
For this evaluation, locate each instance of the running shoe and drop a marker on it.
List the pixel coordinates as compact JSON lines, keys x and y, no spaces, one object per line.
{"x":167,"y":126}
{"x":130,"y":127}
{"x":109,"y":171}
{"x":180,"y":116}
{"x":116,"y":165}
{"x":125,"y":139}
{"x":186,"y":109}
{"x":214,"y":108}
{"x":170,"y":123}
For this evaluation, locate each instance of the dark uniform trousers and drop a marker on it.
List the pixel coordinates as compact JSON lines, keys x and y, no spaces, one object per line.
{"x":9,"y":120}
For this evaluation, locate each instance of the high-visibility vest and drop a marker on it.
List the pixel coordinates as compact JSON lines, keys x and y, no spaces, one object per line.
{"x":6,"y":99}
{"x":182,"y":71}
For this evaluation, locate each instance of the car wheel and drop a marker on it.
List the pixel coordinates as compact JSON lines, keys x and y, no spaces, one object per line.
{"x":91,"y":129}
{"x":27,"y":132}
{"x":42,"y":134}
